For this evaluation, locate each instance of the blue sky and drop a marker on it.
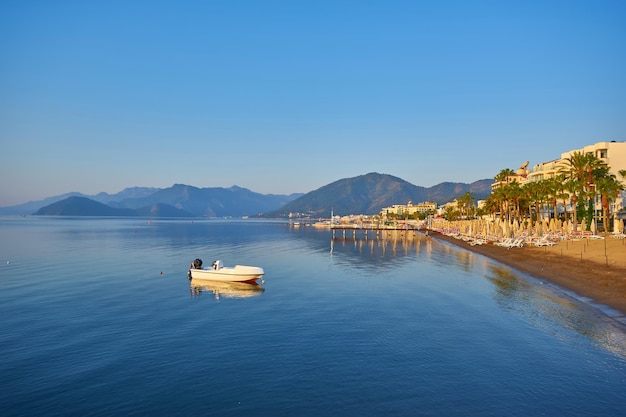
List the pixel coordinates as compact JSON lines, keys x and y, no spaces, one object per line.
{"x":288,"y":96}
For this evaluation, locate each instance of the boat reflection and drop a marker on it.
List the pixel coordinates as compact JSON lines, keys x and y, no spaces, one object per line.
{"x":225,"y":289}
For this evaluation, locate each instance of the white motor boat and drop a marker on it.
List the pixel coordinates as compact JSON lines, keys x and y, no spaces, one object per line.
{"x":219,"y":272}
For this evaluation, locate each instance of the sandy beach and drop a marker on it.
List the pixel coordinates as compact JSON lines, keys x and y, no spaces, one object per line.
{"x":592,"y":268}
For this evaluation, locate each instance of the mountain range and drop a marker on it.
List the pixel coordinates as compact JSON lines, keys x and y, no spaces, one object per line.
{"x":368,"y":194}
{"x":364,"y":194}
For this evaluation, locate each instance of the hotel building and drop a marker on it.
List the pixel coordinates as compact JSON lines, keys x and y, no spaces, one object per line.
{"x":409,"y":209}
{"x":612,"y":153}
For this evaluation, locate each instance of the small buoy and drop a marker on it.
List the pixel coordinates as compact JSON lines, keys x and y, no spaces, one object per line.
{"x":161,"y":273}
{"x":8,"y":262}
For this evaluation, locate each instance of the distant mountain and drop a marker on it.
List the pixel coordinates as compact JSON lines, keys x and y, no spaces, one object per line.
{"x":105,"y":198}
{"x":177,"y":201}
{"x":212,"y":202}
{"x":448,"y":191}
{"x":132,"y":192}
{"x":368,"y":194}
{"x":82,"y":206}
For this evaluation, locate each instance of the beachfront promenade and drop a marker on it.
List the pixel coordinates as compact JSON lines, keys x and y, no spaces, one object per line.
{"x":481,"y":232}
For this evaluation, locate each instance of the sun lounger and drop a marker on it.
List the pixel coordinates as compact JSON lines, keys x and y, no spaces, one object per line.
{"x":511,"y":243}
{"x":543,"y":241}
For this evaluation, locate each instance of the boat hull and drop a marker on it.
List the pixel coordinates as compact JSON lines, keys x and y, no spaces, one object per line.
{"x":238,"y":273}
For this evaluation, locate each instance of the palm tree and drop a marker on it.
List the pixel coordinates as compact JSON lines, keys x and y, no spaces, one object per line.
{"x":507,"y":195}
{"x":561,"y":191}
{"x":581,"y":166}
{"x":543,"y":195}
{"x":556,"y":190}
{"x":450,"y":213}
{"x":531,"y":191}
{"x":499,"y":197}
{"x":578,"y":170}
{"x":491,"y":205}
{"x":465,"y":203}
{"x":609,"y":188}
{"x":575,"y":189}
{"x":622,"y":174}
{"x":515,"y":194}
{"x":504,"y":175}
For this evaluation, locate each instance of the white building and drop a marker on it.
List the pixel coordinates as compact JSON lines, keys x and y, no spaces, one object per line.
{"x":409,"y":209}
{"x":612,"y":153}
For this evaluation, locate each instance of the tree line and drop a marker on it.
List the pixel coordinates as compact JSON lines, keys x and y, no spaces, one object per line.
{"x":581,"y":180}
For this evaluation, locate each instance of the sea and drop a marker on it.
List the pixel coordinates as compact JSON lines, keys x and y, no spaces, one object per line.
{"x":99,"y":318}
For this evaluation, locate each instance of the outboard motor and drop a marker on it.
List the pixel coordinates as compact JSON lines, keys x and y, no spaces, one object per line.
{"x":197,"y":263}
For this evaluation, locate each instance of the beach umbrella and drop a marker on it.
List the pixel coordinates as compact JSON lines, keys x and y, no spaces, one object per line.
{"x":552,"y":225}
{"x":539,"y":228}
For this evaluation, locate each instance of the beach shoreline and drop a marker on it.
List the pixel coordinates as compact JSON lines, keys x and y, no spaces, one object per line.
{"x":591,"y":268}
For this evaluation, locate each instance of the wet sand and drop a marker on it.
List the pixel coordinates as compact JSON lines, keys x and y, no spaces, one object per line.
{"x":592,"y":268}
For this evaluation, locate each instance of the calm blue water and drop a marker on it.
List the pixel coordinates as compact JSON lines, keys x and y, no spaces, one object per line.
{"x":98,"y":318}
